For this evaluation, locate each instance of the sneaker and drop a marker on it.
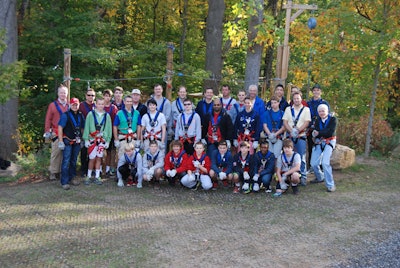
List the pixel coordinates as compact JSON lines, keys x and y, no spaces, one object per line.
{"x":120,"y":183}
{"x":331,"y":189}
{"x":214,"y":186}
{"x":303,"y":181}
{"x":295,"y":190}
{"x":268,"y":190}
{"x":139,"y":185}
{"x":236,"y":190}
{"x":310,"y":171}
{"x":66,"y":187}
{"x":256,"y":187}
{"x":98,"y":181}
{"x":129,"y":183}
{"x":277,"y":194}
{"x":316,"y":181}
{"x":75,"y":182}
{"x":53,"y":176}
{"x":225,"y":183}
{"x":86,"y":181}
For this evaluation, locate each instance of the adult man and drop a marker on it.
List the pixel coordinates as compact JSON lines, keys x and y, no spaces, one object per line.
{"x":217,"y":126}
{"x":127,"y":127}
{"x":257,"y":103}
{"x":296,"y":120}
{"x":313,"y":104}
{"x":54,"y":111}
{"x":279,"y":92}
{"x":136,"y":104}
{"x":177,"y":107}
{"x":188,"y":127}
{"x":154,"y":126}
{"x":70,"y":129}
{"x":205,"y":106}
{"x":85,"y":107}
{"x":164,"y":106}
{"x":227,"y":101}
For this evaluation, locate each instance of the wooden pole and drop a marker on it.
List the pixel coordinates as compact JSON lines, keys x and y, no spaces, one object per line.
{"x":170,"y":70}
{"x":67,"y":70}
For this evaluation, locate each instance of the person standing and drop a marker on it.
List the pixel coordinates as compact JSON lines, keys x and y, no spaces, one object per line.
{"x":53,"y":114}
{"x":112,"y":110}
{"x":70,"y":129}
{"x":273,"y":126}
{"x":279,"y":92}
{"x":205,"y":106}
{"x":136,"y":104}
{"x":177,"y":108}
{"x":296,"y":120}
{"x":238,"y":106}
{"x":227,"y":100}
{"x":118,"y":98}
{"x":163,"y":106}
{"x":154,"y":126}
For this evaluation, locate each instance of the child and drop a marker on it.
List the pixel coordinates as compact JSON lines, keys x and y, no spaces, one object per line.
{"x":265,"y":166}
{"x":154,"y":126}
{"x":130,"y":167}
{"x":244,"y":169}
{"x":97,"y":137}
{"x":153,"y":163}
{"x":221,"y":165}
{"x":175,"y":163}
{"x":198,"y":167}
{"x":287,"y":169}
{"x":273,"y":126}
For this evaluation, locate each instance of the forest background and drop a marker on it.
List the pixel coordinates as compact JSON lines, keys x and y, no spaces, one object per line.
{"x":353,"y":53}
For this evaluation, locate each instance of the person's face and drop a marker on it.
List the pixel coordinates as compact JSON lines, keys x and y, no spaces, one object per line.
{"x":225,"y":92}
{"x":294,"y":90}
{"x":63,"y":93}
{"x":129,"y":152}
{"x":323,"y":113}
{"x":252,"y":92}
{"x":222,"y":149}
{"x":107,"y":98}
{"x":153,"y":148}
{"x":297,"y":100}
{"x":288,"y":150}
{"x":188,"y":106}
{"x":100,"y":105}
{"x":217,"y":106}
{"x":158,"y":90}
{"x":135,"y":98}
{"x":75,"y":107}
{"x":248,"y":104}
{"x":182,"y":93}
{"x":90,"y":96}
{"x":118,"y":95}
{"x":152,"y":107}
{"x":128,"y":103}
{"x":241,"y":95}
{"x":199,"y":149}
{"x":316,"y":93}
{"x":264,"y":148}
{"x":176,"y":149}
{"x":244,"y":149}
{"x":209,"y":94}
{"x":279,"y":92}
{"x":274,"y":104}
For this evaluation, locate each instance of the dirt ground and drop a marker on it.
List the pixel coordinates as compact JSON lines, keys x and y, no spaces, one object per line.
{"x":42,"y":225}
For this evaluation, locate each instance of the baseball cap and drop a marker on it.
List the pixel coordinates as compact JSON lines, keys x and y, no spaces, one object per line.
{"x":316,"y":86}
{"x":74,"y":101}
{"x":136,"y":91}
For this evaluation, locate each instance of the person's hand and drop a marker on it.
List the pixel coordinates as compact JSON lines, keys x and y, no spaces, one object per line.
{"x":137,"y":144}
{"x":222,"y":175}
{"x":168,"y":173}
{"x":255,"y":178}
{"x":106,"y":145}
{"x":255,"y":144}
{"x":196,"y":164}
{"x":173,"y":173}
{"x":191,"y":177}
{"x":47,"y":135}
{"x":245,"y":186}
{"x":294,"y":133}
{"x":161,"y":145}
{"x":61,"y":145}
{"x":203,"y":141}
{"x":315,"y":133}
{"x":116,"y":143}
{"x":271,"y":136}
{"x":87,"y":144}
{"x":246,"y":175}
{"x":235,"y":143}
{"x":228,"y":144}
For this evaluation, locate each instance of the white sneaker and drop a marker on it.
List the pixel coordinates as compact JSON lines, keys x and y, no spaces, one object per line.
{"x":256,"y":187}
{"x":139,"y":185}
{"x":120,"y":183}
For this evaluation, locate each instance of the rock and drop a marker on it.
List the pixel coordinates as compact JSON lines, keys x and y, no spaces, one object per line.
{"x":11,"y":171}
{"x":396,"y":152}
{"x":342,"y":157}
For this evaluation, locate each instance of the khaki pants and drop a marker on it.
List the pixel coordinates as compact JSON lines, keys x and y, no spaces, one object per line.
{"x":55,"y":158}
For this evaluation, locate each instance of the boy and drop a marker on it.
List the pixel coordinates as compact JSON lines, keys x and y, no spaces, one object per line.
{"x":111,"y":109}
{"x":244,"y":169}
{"x":154,"y":126}
{"x":198,"y":167}
{"x":175,"y":163}
{"x":97,"y":137}
{"x":130,"y":167}
{"x":287,"y":169}
{"x":221,"y":165}
{"x":265,"y":166}
{"x":273,"y":126}
{"x":153,"y":163}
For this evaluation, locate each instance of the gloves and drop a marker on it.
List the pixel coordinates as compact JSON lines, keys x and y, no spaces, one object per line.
{"x":203,"y":141}
{"x":116,"y":143}
{"x":137,"y":144}
{"x":196,"y":164}
{"x":294,"y":133}
{"x":256,"y":187}
{"x":271,"y":136}
{"x":161,"y":145}
{"x":106,"y":145}
{"x":168,"y":173}
{"x":284,"y":185}
{"x":246,"y":175}
{"x":228,"y":143}
{"x":47,"y":135}
{"x":255,"y":178}
{"x":87,"y":144}
{"x":149,"y":176}
{"x":255,"y":144}
{"x":245,"y":186}
{"x":314,"y":133}
{"x":61,"y":145}
{"x":235,"y":143}
{"x":173,"y":173}
{"x":191,"y":177}
{"x":222,"y":175}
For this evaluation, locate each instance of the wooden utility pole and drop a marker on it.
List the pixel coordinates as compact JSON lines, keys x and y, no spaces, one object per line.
{"x":283,"y":51}
{"x":67,"y":70}
{"x":170,"y":70}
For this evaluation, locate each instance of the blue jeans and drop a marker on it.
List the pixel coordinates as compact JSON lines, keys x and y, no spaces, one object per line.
{"x":68,"y":165}
{"x":266,"y":180}
{"x":300,"y":148}
{"x":321,"y":154}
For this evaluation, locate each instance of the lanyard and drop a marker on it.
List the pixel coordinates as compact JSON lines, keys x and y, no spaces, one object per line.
{"x":177,"y":161}
{"x":128,"y":160}
{"x":213,"y":123}
{"x":162,"y":105}
{"x":227,"y":105}
{"x":295,"y":120}
{"x":244,"y":162}
{"x":153,"y":121}
{"x":205,"y":108}
{"x":128,"y":117}
{"x":186,"y":125}
{"x":275,"y":124}
{"x":76,"y":124}
{"x":289,"y":164}
{"x":151,"y":158}
{"x":96,"y":123}
{"x":324,"y":125}
{"x":58,"y":107}
{"x":179,"y":105}
{"x":221,"y":160}
{"x":201,"y":158}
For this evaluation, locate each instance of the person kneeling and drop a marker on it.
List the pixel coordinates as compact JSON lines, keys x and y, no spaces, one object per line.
{"x":153,"y":163}
{"x":130,"y":167}
{"x":198,"y":169}
{"x":175,"y":163}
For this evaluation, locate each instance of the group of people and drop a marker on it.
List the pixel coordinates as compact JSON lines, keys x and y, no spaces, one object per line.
{"x":242,"y":143}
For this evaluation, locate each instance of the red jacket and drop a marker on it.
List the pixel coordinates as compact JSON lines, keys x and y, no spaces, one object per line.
{"x":205,"y":161}
{"x":183,"y":161}
{"x":53,"y":116}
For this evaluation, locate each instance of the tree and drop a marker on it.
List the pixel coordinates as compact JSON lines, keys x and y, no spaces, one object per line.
{"x":10,"y":74}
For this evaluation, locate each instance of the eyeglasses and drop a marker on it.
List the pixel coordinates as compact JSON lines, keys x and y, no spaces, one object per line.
{"x":90,"y":95}
{"x":187,"y":104}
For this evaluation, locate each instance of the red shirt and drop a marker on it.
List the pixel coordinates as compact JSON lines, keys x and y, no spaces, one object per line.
{"x":181,"y":160}
{"x":204,"y":161}
{"x":53,"y":116}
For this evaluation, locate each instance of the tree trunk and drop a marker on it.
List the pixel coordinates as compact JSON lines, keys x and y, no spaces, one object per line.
{"x":9,"y":110}
{"x":214,"y":62}
{"x":254,"y":51}
{"x":184,"y":30}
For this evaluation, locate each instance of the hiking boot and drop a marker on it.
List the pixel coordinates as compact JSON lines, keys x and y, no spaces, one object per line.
{"x":316,"y":181}
{"x":295,"y":190}
{"x":98,"y":181}
{"x":236,"y":190}
{"x":66,"y":186}
{"x":86,"y":181}
{"x":331,"y":189}
{"x":75,"y":182}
